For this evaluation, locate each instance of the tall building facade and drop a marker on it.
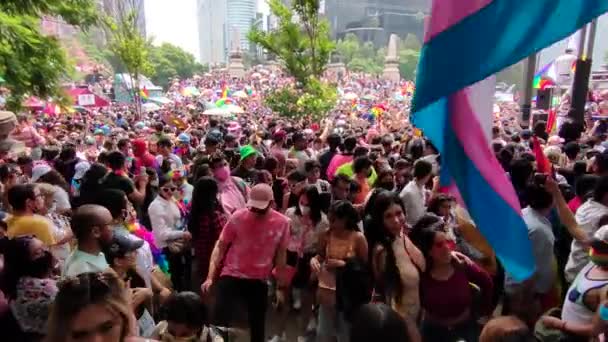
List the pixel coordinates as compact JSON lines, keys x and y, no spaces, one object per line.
{"x":376,"y":20}
{"x":117,"y":8}
{"x":213,"y":31}
{"x":241,"y":15}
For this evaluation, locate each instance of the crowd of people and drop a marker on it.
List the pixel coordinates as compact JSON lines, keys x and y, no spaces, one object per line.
{"x":176,"y":226}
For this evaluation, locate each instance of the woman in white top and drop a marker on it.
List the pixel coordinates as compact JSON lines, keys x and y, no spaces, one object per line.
{"x":170,"y":234}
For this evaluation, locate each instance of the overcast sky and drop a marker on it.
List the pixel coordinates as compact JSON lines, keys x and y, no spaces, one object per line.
{"x":175,"y":22}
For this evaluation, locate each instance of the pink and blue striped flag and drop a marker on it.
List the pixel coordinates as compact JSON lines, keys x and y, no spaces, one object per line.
{"x":468,"y":41}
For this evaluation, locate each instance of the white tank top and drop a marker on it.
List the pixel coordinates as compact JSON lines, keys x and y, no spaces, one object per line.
{"x":574,"y":309}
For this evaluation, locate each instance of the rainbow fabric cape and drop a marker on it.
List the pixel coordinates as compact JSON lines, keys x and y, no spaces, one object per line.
{"x":159,"y":257}
{"x":453,"y":101}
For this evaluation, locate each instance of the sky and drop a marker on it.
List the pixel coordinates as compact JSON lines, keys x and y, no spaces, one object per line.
{"x":175,"y":22}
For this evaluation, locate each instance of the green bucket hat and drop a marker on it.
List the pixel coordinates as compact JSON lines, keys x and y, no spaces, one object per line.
{"x":247,"y":151}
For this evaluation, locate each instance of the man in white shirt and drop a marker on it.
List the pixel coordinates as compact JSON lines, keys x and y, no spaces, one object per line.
{"x":91,"y":226}
{"x":564,"y":68}
{"x":414,"y":195}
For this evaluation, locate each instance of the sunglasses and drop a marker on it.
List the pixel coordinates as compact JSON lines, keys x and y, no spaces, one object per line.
{"x":171,"y":189}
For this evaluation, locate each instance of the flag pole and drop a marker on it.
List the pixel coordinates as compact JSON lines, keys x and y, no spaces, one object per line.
{"x":580,"y":86}
{"x":591,"y":41}
{"x":526,"y":104}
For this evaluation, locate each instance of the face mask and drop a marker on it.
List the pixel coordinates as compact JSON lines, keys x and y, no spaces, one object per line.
{"x":305,"y":210}
{"x":41,"y":266}
{"x":222,"y":174}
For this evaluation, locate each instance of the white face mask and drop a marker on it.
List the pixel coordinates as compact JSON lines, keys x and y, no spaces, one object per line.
{"x":305,"y":210}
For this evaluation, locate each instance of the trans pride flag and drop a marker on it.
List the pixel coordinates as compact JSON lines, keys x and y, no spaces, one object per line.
{"x":467,"y":41}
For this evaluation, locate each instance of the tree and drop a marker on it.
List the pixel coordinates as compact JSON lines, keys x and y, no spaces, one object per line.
{"x":348,"y":48}
{"x":409,"y":54}
{"x":360,"y":57}
{"x":169,"y":61}
{"x":411,"y":43}
{"x":130,"y":47}
{"x":408,"y":63}
{"x":303,"y":46}
{"x":30,"y":62}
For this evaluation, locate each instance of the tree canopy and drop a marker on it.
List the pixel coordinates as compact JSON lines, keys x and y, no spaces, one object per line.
{"x":363,"y":57}
{"x":171,"y":61}
{"x":303,"y":45}
{"x":32,"y":63}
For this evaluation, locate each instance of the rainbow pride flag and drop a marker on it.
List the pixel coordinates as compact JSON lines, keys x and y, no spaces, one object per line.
{"x":225,"y":92}
{"x":144,"y":94}
{"x":545,"y":77}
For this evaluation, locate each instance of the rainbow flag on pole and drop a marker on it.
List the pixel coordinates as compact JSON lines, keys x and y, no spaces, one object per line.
{"x":453,"y":101}
{"x":144,"y":94}
{"x":545,"y":77}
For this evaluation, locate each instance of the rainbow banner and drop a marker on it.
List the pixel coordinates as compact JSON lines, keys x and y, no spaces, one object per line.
{"x":453,"y":105}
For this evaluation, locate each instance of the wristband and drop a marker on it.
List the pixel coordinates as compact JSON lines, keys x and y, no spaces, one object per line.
{"x":603,"y":312}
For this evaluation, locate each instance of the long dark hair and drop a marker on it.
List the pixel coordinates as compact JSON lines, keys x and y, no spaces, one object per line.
{"x":377,"y":234}
{"x":90,"y":186}
{"x":423,"y":235}
{"x":18,"y":263}
{"x":55,"y":178}
{"x":314,"y":202}
{"x":204,"y":202}
{"x":345,"y":210}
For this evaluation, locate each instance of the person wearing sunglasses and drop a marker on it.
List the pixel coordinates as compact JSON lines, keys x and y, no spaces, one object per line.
{"x":170,"y":234}
{"x":26,"y":201}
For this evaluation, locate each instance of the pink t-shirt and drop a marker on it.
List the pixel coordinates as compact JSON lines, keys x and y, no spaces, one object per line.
{"x":253,"y":242}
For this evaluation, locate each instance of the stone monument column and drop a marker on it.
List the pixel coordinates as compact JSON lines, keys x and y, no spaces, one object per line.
{"x":391,"y":61}
{"x":235,"y":57}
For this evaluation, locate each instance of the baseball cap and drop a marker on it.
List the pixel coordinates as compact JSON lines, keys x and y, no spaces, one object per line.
{"x":247,"y":151}
{"x":260,"y":196}
{"x":39,"y":171}
{"x":80,"y":169}
{"x":184,"y":138}
{"x":121,"y":245}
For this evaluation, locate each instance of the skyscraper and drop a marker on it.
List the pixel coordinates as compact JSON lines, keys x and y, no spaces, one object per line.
{"x":375,"y":20}
{"x":118,"y":8}
{"x":212,"y":31}
{"x":241,"y":15}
